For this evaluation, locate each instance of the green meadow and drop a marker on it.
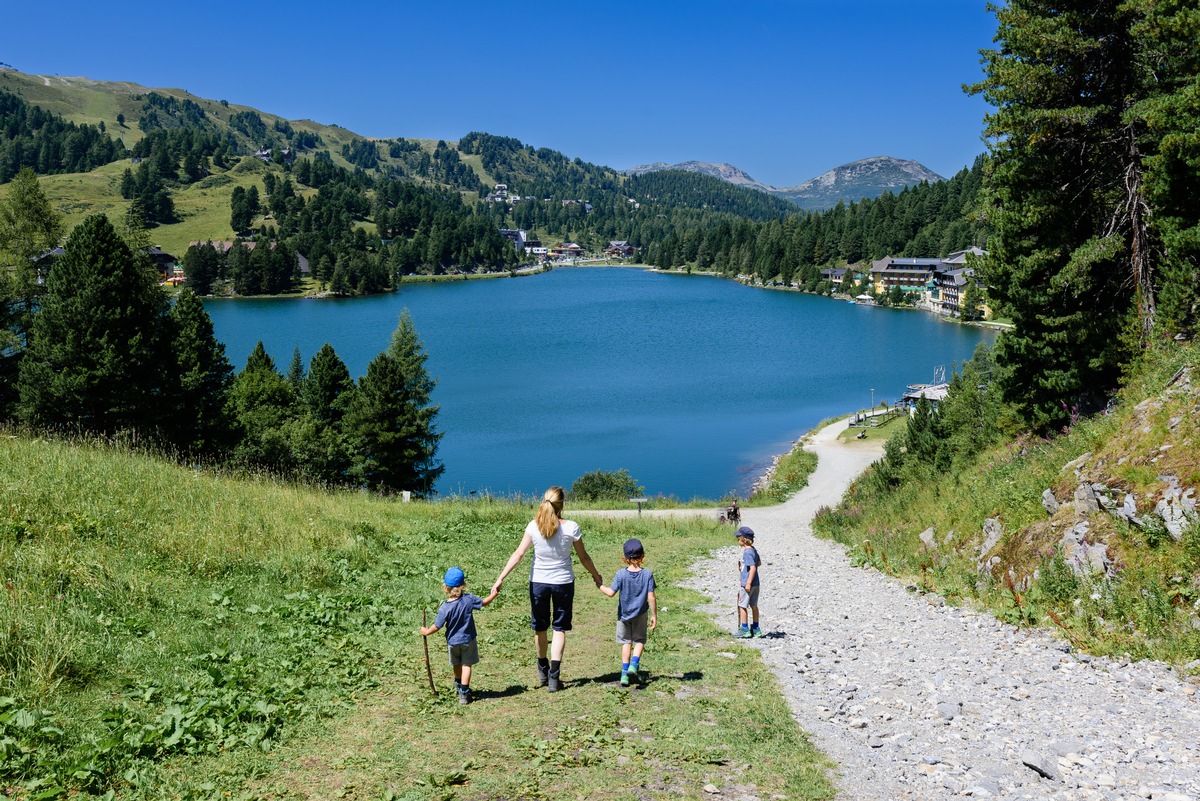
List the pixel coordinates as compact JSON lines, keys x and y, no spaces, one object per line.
{"x":171,"y":632}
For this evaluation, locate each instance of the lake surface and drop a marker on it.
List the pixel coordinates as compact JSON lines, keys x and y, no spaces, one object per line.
{"x":691,"y":383}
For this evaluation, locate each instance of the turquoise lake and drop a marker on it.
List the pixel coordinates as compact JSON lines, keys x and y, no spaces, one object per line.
{"x":691,"y":383}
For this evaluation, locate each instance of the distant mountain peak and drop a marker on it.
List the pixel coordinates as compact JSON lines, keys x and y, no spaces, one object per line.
{"x":726,"y":172}
{"x":865,"y":178}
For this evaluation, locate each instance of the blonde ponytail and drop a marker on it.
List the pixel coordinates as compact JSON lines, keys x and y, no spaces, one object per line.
{"x":550,"y":511}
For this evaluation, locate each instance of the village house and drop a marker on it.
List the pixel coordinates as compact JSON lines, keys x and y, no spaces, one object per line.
{"x":514,"y":235}
{"x":909,"y":275}
{"x":619,"y":249}
{"x":567,"y":250}
{"x":834,"y":275}
{"x":265,"y":155}
{"x":163,"y":262}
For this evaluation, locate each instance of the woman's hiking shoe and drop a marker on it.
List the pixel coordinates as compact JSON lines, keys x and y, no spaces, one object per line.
{"x":464,"y":697}
{"x":554,"y":684}
{"x":543,"y":674}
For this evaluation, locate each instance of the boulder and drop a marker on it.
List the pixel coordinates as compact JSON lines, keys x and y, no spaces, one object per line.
{"x":1050,"y":503}
{"x":993,"y":530}
{"x":1085,"y":500}
{"x":1043,"y":766}
{"x":1077,"y":463}
{"x":928,"y":539}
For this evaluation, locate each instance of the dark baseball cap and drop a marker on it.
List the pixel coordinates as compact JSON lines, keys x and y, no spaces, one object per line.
{"x":633,"y":548}
{"x":745,"y":531}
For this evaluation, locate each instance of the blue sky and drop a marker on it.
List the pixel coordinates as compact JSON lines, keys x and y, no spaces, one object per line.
{"x":784,"y":89}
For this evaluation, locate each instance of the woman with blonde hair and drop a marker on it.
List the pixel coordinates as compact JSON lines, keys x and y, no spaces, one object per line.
{"x":551,"y":580}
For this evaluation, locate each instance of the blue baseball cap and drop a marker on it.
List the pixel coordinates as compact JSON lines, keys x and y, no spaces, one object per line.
{"x":745,"y":531}
{"x":454,"y":577}
{"x":633,"y":549}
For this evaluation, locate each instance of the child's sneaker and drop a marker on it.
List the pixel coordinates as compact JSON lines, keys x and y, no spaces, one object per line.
{"x":624,"y":678}
{"x":744,"y":634}
{"x":632,"y":675}
{"x":757,"y":633}
{"x":464,"y":696}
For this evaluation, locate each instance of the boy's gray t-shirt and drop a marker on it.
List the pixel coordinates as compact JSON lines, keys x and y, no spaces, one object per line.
{"x":456,"y":619}
{"x":633,"y":588}
{"x":749,"y":558}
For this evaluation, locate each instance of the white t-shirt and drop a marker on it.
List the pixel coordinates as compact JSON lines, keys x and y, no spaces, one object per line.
{"x":552,"y":557}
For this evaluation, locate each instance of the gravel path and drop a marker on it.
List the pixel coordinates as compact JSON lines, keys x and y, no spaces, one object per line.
{"x":918,"y":700}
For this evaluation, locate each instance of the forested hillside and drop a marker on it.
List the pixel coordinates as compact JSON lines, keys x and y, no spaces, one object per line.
{"x":363,"y":213}
{"x":928,"y":220}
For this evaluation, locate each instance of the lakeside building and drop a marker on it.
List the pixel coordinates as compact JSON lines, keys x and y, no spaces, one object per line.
{"x":938,"y":283}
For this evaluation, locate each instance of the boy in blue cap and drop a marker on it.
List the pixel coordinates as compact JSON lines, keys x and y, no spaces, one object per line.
{"x":456,"y":615}
{"x":748,"y":585}
{"x":637,"y":611}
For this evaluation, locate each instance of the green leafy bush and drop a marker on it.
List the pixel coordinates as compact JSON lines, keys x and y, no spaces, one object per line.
{"x":606,"y":485}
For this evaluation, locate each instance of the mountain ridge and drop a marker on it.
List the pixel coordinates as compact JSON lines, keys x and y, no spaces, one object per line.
{"x":857,"y":180}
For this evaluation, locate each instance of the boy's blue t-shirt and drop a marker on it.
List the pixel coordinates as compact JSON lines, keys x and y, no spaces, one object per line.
{"x":456,"y":619}
{"x":749,"y":557}
{"x":633,"y":588}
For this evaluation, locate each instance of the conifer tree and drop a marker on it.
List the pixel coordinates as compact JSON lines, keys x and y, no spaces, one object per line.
{"x":263,"y":402}
{"x":390,"y":421}
{"x":1070,"y":254}
{"x":97,"y":357}
{"x":29,"y":228}
{"x":200,"y":421}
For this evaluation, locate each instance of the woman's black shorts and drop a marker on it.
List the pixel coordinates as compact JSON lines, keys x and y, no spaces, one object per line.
{"x":543,"y":596}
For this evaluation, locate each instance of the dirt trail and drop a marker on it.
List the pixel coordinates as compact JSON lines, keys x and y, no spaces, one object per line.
{"x":915,"y":699}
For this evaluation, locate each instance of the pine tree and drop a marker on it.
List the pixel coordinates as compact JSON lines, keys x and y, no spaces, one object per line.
{"x":29,"y":228}
{"x":200,"y":422}
{"x":327,"y":386}
{"x":97,"y":357}
{"x":295,"y":373}
{"x":390,"y":421}
{"x":263,"y":403}
{"x":1070,"y":250}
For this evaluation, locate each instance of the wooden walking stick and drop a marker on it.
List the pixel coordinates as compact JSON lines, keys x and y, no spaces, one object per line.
{"x":428,"y":669}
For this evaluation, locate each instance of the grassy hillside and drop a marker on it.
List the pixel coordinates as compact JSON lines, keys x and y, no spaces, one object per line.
{"x":169,"y":633}
{"x":1132,"y":585}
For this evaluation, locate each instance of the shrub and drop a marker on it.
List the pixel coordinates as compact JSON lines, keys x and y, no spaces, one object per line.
{"x":606,"y":485}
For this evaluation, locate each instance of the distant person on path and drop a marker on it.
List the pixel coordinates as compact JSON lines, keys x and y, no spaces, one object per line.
{"x":551,"y":581}
{"x":637,"y":610}
{"x":456,"y":614}
{"x":748,"y":585}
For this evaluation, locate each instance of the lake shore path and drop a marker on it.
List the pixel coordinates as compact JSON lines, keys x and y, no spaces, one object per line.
{"x":915,"y":699}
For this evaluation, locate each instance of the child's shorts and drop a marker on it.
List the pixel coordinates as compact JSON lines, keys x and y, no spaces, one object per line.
{"x":634,"y":630}
{"x":748,"y":599}
{"x":467,"y":654}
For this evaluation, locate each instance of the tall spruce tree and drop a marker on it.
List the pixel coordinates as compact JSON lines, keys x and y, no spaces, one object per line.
{"x":29,"y":228}
{"x":97,"y":358}
{"x":263,"y":403}
{"x":200,"y":420}
{"x":390,"y":421}
{"x":1169,"y":67}
{"x":1070,"y":256}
